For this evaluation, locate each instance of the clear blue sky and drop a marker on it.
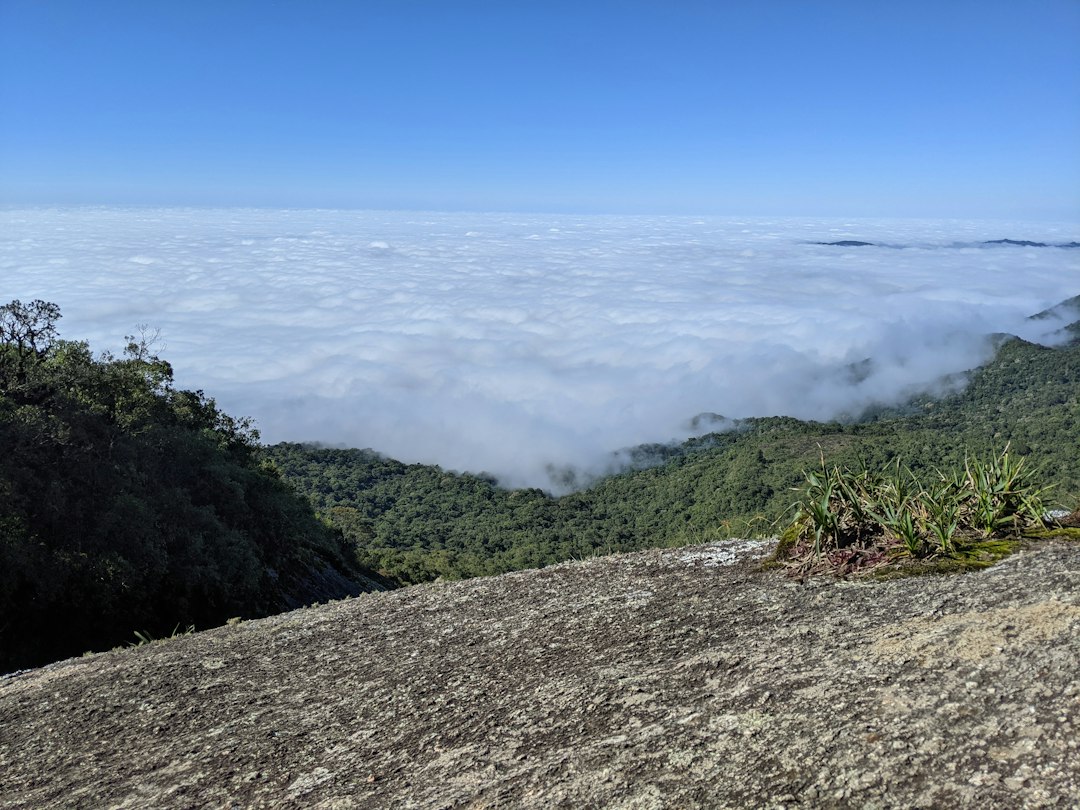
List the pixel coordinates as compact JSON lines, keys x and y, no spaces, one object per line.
{"x":966,"y":109}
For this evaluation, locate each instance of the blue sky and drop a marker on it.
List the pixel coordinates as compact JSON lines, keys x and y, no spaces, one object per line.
{"x":927,"y":109}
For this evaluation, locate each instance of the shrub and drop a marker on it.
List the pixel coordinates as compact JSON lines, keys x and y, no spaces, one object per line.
{"x":847,"y":520}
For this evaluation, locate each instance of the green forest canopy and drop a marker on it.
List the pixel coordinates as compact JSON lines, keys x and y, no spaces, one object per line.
{"x":127,"y":504}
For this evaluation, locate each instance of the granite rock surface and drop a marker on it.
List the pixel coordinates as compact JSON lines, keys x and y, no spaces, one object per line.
{"x":677,"y":678}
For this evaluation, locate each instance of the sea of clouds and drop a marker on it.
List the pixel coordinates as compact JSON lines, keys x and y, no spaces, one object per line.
{"x":508,"y":343}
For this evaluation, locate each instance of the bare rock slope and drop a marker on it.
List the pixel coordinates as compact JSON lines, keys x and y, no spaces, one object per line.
{"x":658,"y":679}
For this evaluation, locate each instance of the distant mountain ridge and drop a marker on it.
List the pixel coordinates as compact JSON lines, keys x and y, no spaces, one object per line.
{"x":1008,"y":242}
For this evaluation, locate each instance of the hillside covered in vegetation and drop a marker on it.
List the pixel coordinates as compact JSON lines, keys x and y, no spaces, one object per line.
{"x":128,"y":505}
{"x":417,"y":522}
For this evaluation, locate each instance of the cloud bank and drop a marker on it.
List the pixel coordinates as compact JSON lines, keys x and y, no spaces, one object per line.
{"x":508,"y":343}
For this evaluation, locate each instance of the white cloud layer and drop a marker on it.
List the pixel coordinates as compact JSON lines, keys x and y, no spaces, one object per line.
{"x":506,"y":343}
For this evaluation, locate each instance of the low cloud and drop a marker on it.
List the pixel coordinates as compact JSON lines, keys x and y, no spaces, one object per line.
{"x":509,"y":344}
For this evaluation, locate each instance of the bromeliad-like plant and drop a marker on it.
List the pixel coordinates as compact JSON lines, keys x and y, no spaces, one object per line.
{"x":942,"y":512}
{"x":834,"y":507}
{"x":846,"y":520}
{"x":894,"y":504}
{"x":834,"y":524}
{"x":1002,"y":494}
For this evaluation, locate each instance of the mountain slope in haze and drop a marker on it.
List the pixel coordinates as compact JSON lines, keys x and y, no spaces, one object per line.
{"x":658,"y":679}
{"x":417,"y":522}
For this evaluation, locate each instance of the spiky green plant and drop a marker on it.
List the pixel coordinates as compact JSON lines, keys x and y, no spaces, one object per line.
{"x":893,"y":503}
{"x":942,"y":512}
{"x":1001,"y":493}
{"x":853,"y":517}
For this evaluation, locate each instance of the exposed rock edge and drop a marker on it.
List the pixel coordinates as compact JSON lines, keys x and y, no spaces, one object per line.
{"x":677,"y":678}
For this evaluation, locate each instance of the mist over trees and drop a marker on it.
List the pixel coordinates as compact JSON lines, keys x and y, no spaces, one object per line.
{"x":416,"y":522}
{"x":127,"y":504}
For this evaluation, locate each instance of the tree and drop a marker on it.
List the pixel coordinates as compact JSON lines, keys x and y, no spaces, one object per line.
{"x":126,"y":503}
{"x":29,"y":327}
{"x":27,"y":332}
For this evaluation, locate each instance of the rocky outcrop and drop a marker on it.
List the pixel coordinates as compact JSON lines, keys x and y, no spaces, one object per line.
{"x":675,"y":678}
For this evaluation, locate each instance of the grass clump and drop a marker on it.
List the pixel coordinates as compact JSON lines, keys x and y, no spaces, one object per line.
{"x":142,"y":637}
{"x":856,"y":521}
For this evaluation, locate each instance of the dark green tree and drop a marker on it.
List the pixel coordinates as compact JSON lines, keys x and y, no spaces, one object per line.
{"x":127,"y":504}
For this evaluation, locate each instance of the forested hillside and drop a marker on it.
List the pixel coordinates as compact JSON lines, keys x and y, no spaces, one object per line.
{"x":417,"y":522}
{"x":128,"y":505}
